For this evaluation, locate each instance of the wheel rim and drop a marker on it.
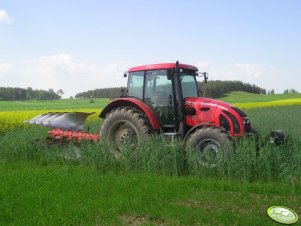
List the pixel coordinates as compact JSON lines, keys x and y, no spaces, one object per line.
{"x":209,"y":153}
{"x":123,"y":134}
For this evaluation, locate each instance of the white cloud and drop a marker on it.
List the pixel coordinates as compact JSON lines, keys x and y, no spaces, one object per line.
{"x":4,"y":17}
{"x":4,"y":68}
{"x":237,"y":71}
{"x":253,"y":71}
{"x":116,"y":68}
{"x":63,"y":71}
{"x":73,"y":75}
{"x":202,"y":66}
{"x":64,"y":65}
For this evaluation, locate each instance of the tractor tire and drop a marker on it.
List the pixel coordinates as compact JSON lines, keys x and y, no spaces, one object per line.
{"x":122,"y":128}
{"x":211,"y":146}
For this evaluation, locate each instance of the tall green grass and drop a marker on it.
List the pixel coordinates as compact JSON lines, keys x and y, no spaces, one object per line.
{"x":173,"y":158}
{"x":159,"y":185}
{"x":161,"y":156}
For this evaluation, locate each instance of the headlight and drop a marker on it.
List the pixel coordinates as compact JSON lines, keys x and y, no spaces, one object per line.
{"x":246,"y":121}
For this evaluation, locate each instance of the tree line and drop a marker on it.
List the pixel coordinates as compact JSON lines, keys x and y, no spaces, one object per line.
{"x":15,"y":93}
{"x":217,"y":88}
{"x":210,"y":89}
{"x":101,"y":93}
{"x":290,"y":91}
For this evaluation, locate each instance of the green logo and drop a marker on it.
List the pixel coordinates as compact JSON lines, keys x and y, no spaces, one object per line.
{"x":282,"y":214}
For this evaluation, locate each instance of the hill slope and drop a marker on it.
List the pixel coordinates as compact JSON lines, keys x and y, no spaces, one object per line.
{"x":245,"y":97}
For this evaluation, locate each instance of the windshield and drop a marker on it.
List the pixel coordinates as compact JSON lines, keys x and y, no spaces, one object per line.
{"x":188,"y":83}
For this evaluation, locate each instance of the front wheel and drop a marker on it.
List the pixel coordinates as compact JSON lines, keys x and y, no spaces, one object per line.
{"x":211,"y":146}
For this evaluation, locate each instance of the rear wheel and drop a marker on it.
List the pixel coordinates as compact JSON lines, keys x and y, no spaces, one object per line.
{"x":211,"y":146}
{"x":124,"y":128}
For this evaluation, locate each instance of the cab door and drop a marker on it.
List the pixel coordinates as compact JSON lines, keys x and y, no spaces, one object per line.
{"x":159,"y":95}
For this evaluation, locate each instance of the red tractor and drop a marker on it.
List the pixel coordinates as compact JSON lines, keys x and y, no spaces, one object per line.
{"x":164,"y":98}
{"x":160,"y":99}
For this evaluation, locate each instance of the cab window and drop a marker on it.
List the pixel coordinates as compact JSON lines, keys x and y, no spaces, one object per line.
{"x":189,"y":85}
{"x":135,"y":84}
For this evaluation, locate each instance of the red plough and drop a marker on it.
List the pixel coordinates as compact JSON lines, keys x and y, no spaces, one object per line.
{"x":59,"y":134}
{"x":65,"y":126}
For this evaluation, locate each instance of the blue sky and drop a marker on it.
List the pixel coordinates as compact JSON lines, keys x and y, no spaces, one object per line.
{"x":81,"y":45}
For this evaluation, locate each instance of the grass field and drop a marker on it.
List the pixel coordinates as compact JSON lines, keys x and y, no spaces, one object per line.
{"x":66,"y":194}
{"x":52,"y":104}
{"x":244,"y":97}
{"x":159,"y":185}
{"x":248,"y":100}
{"x":241,"y":99}
{"x":41,"y":188}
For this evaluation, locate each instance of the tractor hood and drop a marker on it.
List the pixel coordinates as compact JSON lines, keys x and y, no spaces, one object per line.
{"x":203,"y":102}
{"x":201,"y":110}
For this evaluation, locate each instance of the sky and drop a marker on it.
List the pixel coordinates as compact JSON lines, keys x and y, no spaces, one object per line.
{"x":82,"y":45}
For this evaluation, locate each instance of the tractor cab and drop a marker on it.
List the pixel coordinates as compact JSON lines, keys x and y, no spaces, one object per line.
{"x":164,"y":88}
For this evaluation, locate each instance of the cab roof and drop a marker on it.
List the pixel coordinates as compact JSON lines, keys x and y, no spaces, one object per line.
{"x":161,"y":66}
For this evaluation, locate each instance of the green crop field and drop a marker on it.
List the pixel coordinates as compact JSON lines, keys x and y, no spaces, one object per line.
{"x":53,"y":104}
{"x":160,"y":184}
{"x":244,"y":97}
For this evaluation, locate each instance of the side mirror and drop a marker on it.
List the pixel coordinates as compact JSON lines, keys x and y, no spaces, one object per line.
{"x":205,"y":77}
{"x":125,"y":74}
{"x":203,"y":74}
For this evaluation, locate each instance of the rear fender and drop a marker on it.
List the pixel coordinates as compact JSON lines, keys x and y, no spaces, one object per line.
{"x":136,"y":103}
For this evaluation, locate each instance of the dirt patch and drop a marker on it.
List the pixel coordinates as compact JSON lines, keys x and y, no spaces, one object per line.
{"x":134,"y":220}
{"x":210,"y":207}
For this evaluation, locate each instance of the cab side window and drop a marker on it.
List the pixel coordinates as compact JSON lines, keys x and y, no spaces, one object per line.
{"x":135,"y":84}
{"x":158,"y":89}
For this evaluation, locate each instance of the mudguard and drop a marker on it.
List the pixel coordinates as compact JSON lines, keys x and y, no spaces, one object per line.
{"x":136,"y":103}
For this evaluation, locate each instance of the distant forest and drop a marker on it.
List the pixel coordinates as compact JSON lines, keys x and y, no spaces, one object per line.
{"x":101,"y":93}
{"x":213,"y":89}
{"x":219,"y":88}
{"x":14,"y":93}
{"x":210,"y":89}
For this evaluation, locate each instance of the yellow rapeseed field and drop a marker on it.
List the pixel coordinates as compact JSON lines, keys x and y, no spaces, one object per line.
{"x":12,"y":119}
{"x":276,"y":103}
